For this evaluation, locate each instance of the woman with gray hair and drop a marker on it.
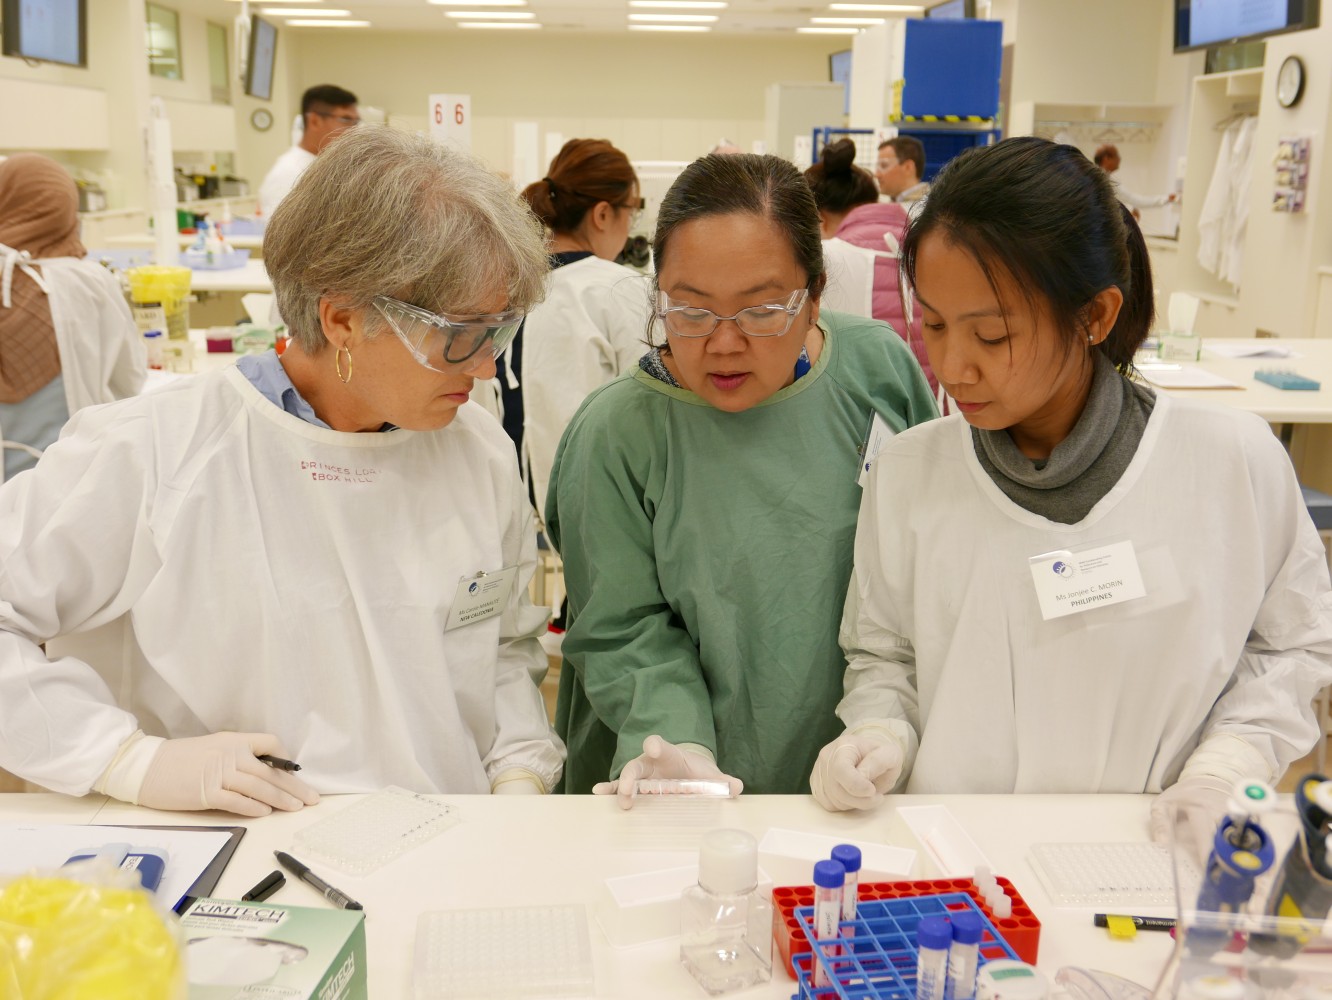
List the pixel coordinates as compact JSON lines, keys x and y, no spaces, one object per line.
{"x":322,"y":556}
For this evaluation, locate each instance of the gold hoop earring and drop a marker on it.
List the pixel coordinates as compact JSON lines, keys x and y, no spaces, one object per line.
{"x":337,"y":364}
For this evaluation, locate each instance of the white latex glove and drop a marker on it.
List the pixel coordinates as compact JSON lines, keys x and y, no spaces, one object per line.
{"x":1189,"y":811}
{"x":517,"y":781}
{"x":1193,"y":807}
{"x":220,"y":771}
{"x":665,"y":760}
{"x":857,"y":769}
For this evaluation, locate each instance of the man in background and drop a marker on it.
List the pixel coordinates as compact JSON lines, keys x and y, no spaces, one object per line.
{"x":326,"y":111}
{"x":1107,"y":158}
{"x":900,"y":170}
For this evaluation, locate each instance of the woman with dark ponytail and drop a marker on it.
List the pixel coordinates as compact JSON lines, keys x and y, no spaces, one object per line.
{"x":862,"y":240}
{"x":1073,"y":584}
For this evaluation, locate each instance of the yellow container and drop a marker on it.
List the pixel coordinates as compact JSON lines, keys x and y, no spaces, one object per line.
{"x":159,"y":299}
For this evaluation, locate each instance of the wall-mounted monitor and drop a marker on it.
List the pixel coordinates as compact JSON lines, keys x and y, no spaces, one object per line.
{"x":955,"y":9}
{"x":49,"y":30}
{"x":839,"y":71}
{"x":259,"y":65}
{"x":1200,"y":24}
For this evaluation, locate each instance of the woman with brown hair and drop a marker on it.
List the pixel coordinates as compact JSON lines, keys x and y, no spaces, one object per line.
{"x":591,"y":325}
{"x":67,"y":339}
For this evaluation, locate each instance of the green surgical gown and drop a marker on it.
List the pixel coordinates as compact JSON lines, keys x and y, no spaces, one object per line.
{"x":706,"y":558}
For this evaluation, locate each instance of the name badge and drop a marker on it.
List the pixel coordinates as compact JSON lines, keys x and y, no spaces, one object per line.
{"x":879,"y":435}
{"x":480,"y":597}
{"x":1068,"y":583}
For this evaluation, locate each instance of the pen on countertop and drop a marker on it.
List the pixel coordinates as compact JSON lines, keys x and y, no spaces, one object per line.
{"x":281,"y":763}
{"x":334,"y":896}
{"x":1141,"y":923}
{"x":271,"y":884}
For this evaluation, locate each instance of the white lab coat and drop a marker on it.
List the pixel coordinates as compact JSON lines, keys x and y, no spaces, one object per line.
{"x":944,"y":635}
{"x":1224,"y":217}
{"x":214,"y":563}
{"x":1139,"y":201}
{"x":279,"y":180}
{"x":102,"y":355}
{"x":850,"y":271}
{"x":591,"y":327}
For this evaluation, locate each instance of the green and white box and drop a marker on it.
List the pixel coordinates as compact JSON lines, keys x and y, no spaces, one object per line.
{"x":255,"y":951}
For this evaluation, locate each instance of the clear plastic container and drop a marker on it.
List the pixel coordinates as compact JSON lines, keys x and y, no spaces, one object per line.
{"x":1277,"y":943}
{"x":725,"y":925}
{"x":159,"y":299}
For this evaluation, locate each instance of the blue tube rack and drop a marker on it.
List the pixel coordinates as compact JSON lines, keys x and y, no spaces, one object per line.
{"x":875,"y":958}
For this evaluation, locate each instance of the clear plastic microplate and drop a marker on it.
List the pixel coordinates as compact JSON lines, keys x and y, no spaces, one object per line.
{"x":504,"y":953}
{"x":1109,"y":875}
{"x":372,"y":832}
{"x":708,"y":788}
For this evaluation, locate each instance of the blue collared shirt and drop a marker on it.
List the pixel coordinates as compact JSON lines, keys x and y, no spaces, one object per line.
{"x":266,"y":374}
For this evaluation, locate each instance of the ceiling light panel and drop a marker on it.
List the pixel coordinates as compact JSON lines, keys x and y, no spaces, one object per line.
{"x":844,"y":22}
{"x":679,"y":18}
{"x":681,"y":4}
{"x":827,"y":31}
{"x":512,"y":25}
{"x":878,"y":8}
{"x":298,"y":12}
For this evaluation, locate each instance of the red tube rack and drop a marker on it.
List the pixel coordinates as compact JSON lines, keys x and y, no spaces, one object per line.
{"x":1022,"y":930}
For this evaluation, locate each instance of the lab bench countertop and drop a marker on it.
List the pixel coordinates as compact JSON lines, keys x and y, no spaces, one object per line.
{"x":511,"y":851}
{"x":1277,"y":406}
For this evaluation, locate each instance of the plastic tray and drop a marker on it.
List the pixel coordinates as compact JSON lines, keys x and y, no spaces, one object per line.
{"x":1109,"y":876}
{"x":503,"y":953}
{"x":374,"y":831}
{"x":875,"y":958}
{"x":1287,"y":380}
{"x":222,"y":262}
{"x":1022,"y":930}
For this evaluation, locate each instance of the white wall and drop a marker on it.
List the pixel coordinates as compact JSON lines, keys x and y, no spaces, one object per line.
{"x":1278,"y":290}
{"x":658,"y":97}
{"x":1086,"y":51}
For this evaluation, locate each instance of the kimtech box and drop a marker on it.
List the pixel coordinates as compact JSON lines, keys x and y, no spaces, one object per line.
{"x":257,"y":951}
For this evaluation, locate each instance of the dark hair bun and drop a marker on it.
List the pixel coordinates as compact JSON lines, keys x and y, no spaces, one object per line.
{"x":838,"y":157}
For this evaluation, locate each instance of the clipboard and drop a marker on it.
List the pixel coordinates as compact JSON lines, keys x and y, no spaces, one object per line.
{"x":208,"y":879}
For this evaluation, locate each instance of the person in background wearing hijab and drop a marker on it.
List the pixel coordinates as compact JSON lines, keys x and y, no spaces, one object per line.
{"x":67,"y":339}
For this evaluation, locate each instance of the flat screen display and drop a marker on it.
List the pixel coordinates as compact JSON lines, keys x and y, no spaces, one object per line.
{"x":263,"y":52}
{"x":839,"y":71}
{"x":955,"y":9}
{"x":1202,"y":23}
{"x":49,"y":30}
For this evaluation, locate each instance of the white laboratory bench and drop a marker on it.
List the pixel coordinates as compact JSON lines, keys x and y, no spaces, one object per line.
{"x":149,"y":241}
{"x":519,"y":850}
{"x":251,"y":277}
{"x":1277,"y":406}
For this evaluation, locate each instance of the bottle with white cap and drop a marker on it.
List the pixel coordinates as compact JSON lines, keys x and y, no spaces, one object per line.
{"x":725,"y":925}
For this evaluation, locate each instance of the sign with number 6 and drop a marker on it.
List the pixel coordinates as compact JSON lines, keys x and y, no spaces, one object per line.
{"x":451,"y":120}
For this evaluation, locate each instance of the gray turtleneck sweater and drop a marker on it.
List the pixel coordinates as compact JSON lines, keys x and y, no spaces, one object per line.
{"x":1085,"y":465}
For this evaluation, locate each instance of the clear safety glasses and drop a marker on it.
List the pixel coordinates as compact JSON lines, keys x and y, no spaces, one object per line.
{"x":771,"y":319}
{"x":443,"y":342}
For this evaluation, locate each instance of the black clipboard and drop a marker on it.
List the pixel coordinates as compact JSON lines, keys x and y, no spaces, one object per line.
{"x":207,"y":880}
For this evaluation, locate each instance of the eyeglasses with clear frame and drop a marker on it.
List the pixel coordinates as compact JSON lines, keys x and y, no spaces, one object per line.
{"x":771,"y":319}
{"x":635,"y":208}
{"x":340,"y":119}
{"x":444,"y":342}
